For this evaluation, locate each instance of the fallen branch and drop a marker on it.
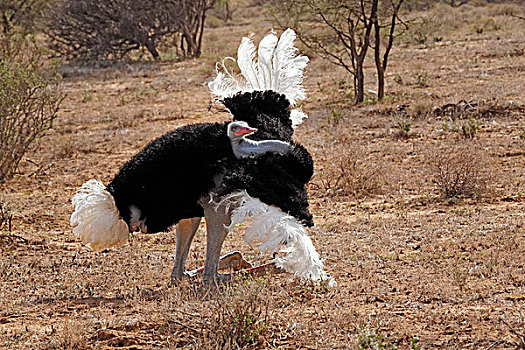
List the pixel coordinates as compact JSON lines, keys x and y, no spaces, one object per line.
{"x":186,"y":326}
{"x":521,"y":337}
{"x":12,"y":237}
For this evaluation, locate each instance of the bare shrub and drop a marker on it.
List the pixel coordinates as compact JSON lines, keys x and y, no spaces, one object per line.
{"x":421,"y":109}
{"x":23,"y":14}
{"x":352,"y":174}
{"x":92,"y":30}
{"x":461,"y":171}
{"x":29,"y":99}
{"x":71,"y":334}
{"x":6,"y":217}
{"x":241,"y":317}
{"x":224,"y":10}
{"x":65,"y":147}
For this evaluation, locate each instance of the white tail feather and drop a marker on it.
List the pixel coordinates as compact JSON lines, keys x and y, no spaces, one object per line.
{"x":277,"y":67}
{"x":278,"y":232}
{"x":96,"y":218}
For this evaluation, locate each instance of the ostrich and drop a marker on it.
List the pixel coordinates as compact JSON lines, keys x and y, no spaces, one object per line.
{"x":203,"y":170}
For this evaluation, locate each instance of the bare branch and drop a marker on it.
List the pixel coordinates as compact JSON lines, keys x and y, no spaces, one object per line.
{"x":92,"y":29}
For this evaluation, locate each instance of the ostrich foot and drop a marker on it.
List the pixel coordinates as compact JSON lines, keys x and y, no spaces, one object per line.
{"x":234,"y":261}
{"x":240,"y":266}
{"x":262,"y":269}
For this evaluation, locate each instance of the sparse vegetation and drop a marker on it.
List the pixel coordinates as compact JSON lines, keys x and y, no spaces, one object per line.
{"x":420,"y":110}
{"x":404,"y":126}
{"x":65,"y":147}
{"x":354,"y":175}
{"x":29,"y":99}
{"x":461,"y":171}
{"x":469,"y":128}
{"x":225,"y":9}
{"x":422,"y":79}
{"x":413,"y":343}
{"x":242,"y":316}
{"x":24,"y":16}
{"x":334,"y":118}
{"x":370,"y":339}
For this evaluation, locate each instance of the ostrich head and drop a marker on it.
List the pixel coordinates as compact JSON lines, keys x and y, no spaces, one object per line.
{"x":238,"y":130}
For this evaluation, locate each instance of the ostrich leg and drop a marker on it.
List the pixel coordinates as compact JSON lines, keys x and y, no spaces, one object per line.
{"x":217,"y":218}
{"x":184,"y":231}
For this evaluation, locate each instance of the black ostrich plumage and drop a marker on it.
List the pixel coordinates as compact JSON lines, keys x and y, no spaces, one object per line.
{"x":267,"y":111}
{"x":167,"y":178}
{"x":276,"y":179}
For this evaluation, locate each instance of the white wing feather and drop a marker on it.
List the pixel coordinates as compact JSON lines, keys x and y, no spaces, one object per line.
{"x":288,"y":68}
{"x":297,"y":116}
{"x":276,"y":67}
{"x":247,"y":64}
{"x":265,"y":60}
{"x":279,"y":233}
{"x":226,"y":84}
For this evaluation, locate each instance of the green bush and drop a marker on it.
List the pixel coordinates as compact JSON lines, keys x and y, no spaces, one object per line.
{"x":469,"y":128}
{"x":29,"y":99}
{"x":371,"y":339}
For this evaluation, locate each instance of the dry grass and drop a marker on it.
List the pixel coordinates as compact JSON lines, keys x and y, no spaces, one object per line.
{"x":241,"y":316}
{"x":443,"y":21}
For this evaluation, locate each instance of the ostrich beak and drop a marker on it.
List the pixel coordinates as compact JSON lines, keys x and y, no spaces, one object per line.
{"x":246,"y":131}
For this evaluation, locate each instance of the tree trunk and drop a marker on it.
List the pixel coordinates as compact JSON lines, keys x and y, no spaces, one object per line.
{"x":182,"y":48}
{"x":190,"y":45}
{"x":201,"y":31}
{"x":360,"y":78}
{"x":151,"y":47}
{"x":6,"y":23}
{"x":379,"y":64}
{"x":360,"y":59}
{"x":380,"y":82}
